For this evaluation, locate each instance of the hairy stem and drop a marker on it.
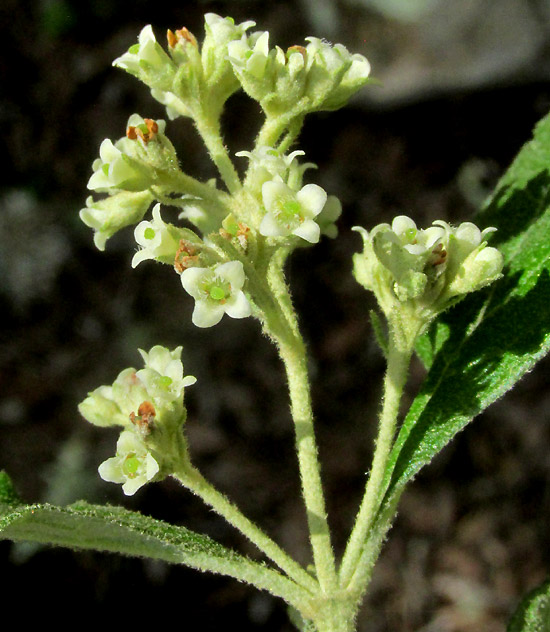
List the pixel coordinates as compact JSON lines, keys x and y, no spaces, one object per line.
{"x":399,"y":356}
{"x":292,"y":351}
{"x":209,"y":129}
{"x":193,"y":480}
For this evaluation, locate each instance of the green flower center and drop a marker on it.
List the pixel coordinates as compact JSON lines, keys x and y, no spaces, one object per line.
{"x":216,"y":289}
{"x":218,"y":292}
{"x":130,"y":466}
{"x":149,"y":233}
{"x":410,"y":235}
{"x":165,"y":381}
{"x":289,"y":213}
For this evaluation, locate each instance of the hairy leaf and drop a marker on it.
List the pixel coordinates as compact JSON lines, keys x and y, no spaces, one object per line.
{"x":533,"y":613}
{"x":118,"y":530}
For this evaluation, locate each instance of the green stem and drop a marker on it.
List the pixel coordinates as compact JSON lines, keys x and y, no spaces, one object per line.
{"x":293,"y":354}
{"x":193,"y":480}
{"x":274,"y":126}
{"x":399,"y":356}
{"x":209,"y":129}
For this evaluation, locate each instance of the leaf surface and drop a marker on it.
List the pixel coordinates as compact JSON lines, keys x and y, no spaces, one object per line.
{"x":118,"y":530}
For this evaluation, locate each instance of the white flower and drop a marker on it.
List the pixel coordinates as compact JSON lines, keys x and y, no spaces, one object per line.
{"x":223,"y":30}
{"x":250,"y":54}
{"x":163,"y":374}
{"x":217,"y":291}
{"x":267,"y":163}
{"x":133,"y":465}
{"x":346,"y":73}
{"x":119,"y":166}
{"x":292,"y":213}
{"x":147,"y":52}
{"x":155,"y":239}
{"x":112,"y":170}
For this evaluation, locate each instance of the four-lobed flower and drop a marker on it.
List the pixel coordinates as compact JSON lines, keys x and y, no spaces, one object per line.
{"x":217,"y":290}
{"x":133,"y":465}
{"x":290,"y":212}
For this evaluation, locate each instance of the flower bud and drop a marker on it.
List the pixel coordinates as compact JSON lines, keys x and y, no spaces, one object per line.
{"x":109,"y":215}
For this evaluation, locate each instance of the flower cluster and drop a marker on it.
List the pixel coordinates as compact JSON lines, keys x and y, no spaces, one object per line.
{"x":148,"y":405}
{"x":288,"y":208}
{"x":425,"y":271}
{"x":319,"y":76}
{"x":186,"y":79}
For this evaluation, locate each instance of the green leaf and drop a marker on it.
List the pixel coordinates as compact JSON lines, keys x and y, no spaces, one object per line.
{"x":118,"y":530}
{"x":485,"y":344}
{"x":533,"y":613}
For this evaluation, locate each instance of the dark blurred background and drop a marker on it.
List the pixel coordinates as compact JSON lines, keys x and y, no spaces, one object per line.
{"x":463,"y":83}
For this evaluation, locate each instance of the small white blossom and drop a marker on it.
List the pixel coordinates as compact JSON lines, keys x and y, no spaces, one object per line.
{"x":292,"y":213}
{"x":162,"y":375}
{"x":347,"y":72}
{"x":223,"y":30}
{"x":112,"y":170}
{"x":147,"y":52}
{"x":161,"y":382}
{"x":250,"y":54}
{"x":119,"y":166}
{"x":155,"y":239}
{"x":133,"y":465}
{"x":267,"y":163}
{"x":217,"y":291}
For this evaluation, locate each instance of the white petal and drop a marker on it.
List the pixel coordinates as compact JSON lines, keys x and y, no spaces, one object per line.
{"x":110,"y":470}
{"x":469,"y":232}
{"x":269,"y":227}
{"x":238,"y":306}
{"x":190,"y":279}
{"x":402,"y":223}
{"x":312,"y":198}
{"x":207,"y":315}
{"x":308,"y":230}
{"x":272,"y":191}
{"x":141,"y":255}
{"x":131,"y":486}
{"x":233,"y":272}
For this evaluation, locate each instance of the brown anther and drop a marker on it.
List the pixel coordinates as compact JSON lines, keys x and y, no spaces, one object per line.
{"x":145,"y":417}
{"x":298,"y":49}
{"x":152,"y":130}
{"x":186,"y":256}
{"x":181,"y":35}
{"x":440,"y":255}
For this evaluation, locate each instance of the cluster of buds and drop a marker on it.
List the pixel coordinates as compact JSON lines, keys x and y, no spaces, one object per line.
{"x":185,"y":76}
{"x":318,"y":76}
{"x":417,"y":274}
{"x":148,"y":405}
